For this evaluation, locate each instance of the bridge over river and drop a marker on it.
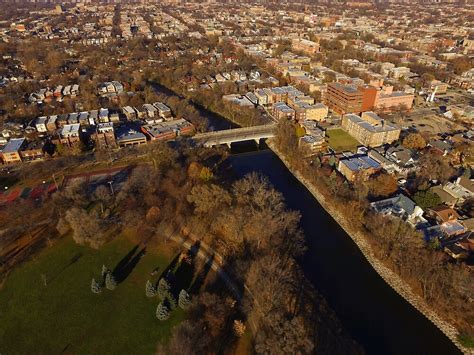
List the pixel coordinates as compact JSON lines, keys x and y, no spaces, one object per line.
{"x":229,"y":136}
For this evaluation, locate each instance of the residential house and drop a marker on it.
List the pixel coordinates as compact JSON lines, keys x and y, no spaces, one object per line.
{"x":404,"y":159}
{"x":461,"y":189}
{"x":163,"y":110}
{"x":104,"y":136}
{"x":130,"y":113}
{"x":40,"y":124}
{"x":51,"y":123}
{"x":104,"y":115}
{"x":70,"y":135}
{"x":402,"y":207}
{"x":447,"y":218}
{"x":32,"y":150}
{"x":11,"y":151}
{"x":386,"y":164}
{"x":93,"y":117}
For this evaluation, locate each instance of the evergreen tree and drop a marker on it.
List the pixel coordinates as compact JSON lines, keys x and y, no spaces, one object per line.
{"x":96,"y":287}
{"x":110,"y":282}
{"x":150,"y":290}
{"x":163,"y":288}
{"x":184,"y":300}
{"x":162,"y":312}
{"x":105,"y":271}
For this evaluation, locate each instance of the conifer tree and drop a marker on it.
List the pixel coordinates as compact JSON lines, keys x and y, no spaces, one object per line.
{"x":163,"y":288}
{"x":105,"y":271}
{"x":184,"y":300}
{"x":110,"y":282}
{"x":162,"y":312}
{"x":150,"y":289}
{"x":96,"y":287}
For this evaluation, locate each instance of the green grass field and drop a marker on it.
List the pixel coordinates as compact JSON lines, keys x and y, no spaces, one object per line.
{"x":341,"y":141}
{"x":65,"y":316}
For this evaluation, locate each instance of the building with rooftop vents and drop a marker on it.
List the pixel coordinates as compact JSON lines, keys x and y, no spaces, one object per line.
{"x":369,"y":129}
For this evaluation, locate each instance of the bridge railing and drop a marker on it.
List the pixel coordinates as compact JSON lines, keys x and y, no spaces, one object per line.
{"x":235,"y":130}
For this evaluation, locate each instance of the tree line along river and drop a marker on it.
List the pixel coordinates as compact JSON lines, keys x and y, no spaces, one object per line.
{"x":379,"y":319}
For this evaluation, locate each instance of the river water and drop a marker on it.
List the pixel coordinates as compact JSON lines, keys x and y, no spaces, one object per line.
{"x":379,"y":319}
{"x":375,"y":315}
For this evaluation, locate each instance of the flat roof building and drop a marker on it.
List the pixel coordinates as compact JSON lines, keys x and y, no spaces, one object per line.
{"x":369,"y":129}
{"x":344,"y":99}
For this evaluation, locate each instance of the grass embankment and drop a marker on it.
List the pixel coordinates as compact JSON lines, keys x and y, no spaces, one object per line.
{"x":66,"y":316}
{"x":340,"y":141}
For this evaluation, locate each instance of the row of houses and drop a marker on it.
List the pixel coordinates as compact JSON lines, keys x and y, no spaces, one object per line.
{"x":110,"y":88}
{"x":102,"y":128}
{"x":102,"y":136}
{"x":58,"y":93}
{"x":150,"y":113}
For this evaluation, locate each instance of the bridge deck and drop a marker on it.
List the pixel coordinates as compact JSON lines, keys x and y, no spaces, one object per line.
{"x":235,"y":135}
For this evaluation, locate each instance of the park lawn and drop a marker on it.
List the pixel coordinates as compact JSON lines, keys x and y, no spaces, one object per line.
{"x":66,"y":316}
{"x":341,"y":141}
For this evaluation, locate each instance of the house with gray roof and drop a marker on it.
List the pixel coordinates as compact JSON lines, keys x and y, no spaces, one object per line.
{"x":402,"y":207}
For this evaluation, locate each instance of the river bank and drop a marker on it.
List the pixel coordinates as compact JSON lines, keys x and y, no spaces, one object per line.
{"x":389,"y":276}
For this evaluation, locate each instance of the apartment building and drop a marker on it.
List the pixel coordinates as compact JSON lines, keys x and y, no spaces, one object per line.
{"x":343,"y":99}
{"x":304,"y":45}
{"x":357,"y":166}
{"x":282,"y":110}
{"x":369,"y":129}
{"x":305,"y":111}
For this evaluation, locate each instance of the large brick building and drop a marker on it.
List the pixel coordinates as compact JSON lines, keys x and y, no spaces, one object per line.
{"x":369,"y":129}
{"x":343,"y":99}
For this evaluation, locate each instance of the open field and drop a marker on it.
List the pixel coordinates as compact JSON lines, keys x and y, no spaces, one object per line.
{"x":341,"y":141}
{"x":47,"y":305}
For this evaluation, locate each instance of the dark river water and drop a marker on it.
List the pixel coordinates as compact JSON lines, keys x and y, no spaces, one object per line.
{"x":375,"y":315}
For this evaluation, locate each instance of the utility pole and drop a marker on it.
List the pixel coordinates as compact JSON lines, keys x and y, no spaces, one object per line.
{"x":111,"y":187}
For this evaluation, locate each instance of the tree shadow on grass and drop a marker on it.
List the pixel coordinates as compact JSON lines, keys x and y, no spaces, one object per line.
{"x":73,"y":260}
{"x":183,"y":275}
{"x":127,"y":264}
{"x":201,"y":277}
{"x":166,"y":272}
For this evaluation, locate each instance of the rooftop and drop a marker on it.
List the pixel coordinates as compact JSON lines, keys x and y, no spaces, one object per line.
{"x":13,"y":145}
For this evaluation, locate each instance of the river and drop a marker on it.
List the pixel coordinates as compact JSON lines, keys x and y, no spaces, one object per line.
{"x":379,"y":319}
{"x":372,"y":312}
